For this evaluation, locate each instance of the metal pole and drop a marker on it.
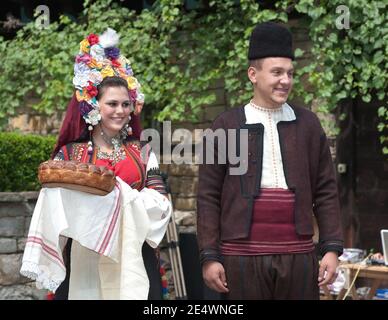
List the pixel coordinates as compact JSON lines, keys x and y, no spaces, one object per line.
{"x":171,"y":251}
{"x":175,"y":256}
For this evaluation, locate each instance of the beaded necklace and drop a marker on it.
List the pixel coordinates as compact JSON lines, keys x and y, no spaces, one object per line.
{"x":118,"y":152}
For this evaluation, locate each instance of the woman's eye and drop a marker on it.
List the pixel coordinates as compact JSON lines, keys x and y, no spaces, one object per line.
{"x":126,"y":105}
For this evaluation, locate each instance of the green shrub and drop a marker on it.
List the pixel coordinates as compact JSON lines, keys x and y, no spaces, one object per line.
{"x":20,"y":156}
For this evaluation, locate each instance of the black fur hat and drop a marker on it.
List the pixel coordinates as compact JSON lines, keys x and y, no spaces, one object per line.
{"x":270,"y":39}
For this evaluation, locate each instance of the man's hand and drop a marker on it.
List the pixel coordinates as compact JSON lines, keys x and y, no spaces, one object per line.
{"x":329,"y":263}
{"x":213,"y":274}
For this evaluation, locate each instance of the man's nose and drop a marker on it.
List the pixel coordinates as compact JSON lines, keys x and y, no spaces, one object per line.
{"x":286,"y":79}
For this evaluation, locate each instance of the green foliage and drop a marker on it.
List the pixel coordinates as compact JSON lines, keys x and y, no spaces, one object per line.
{"x":39,"y":62}
{"x":347,"y":63}
{"x":20,"y":156}
{"x":179,"y":55}
{"x":212,"y":47}
{"x":176,"y":55}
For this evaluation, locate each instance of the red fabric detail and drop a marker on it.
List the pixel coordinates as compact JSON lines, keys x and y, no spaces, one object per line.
{"x":272,"y":229}
{"x":74,"y":125}
{"x":65,"y":153}
{"x":50,"y":296}
{"x":125,"y":169}
{"x":252,"y":248}
{"x":129,"y":169}
{"x":134,"y":153}
{"x":273,"y":217}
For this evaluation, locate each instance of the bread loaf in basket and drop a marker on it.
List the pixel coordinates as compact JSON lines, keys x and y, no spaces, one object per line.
{"x":74,"y":175}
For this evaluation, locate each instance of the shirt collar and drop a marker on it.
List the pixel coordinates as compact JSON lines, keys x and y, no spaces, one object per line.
{"x":285,"y":113}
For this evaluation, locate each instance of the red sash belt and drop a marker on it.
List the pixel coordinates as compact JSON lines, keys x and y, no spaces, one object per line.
{"x":272,"y":229}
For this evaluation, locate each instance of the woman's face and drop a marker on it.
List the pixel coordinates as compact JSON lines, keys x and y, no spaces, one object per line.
{"x":115,"y":108}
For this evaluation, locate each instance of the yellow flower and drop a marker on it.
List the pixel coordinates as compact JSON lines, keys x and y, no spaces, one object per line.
{"x":107,"y":72}
{"x":132,"y":83}
{"x":84,"y":46}
{"x":95,"y":64}
{"x":82,"y":95}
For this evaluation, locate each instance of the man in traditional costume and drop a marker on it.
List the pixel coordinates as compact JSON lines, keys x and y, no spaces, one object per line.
{"x":255,"y":230}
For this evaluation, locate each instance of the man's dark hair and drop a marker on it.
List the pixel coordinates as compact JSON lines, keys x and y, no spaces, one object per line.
{"x":257,"y":63}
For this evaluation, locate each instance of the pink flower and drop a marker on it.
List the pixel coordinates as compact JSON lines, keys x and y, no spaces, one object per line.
{"x":132,"y":95}
{"x":85,"y":58}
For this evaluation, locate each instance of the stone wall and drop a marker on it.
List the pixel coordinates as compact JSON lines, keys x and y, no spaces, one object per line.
{"x":183,"y":183}
{"x":15,"y":216}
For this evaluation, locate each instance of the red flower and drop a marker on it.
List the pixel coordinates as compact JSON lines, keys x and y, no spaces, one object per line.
{"x":116,"y":63}
{"x":91,"y":90}
{"x":92,"y":39}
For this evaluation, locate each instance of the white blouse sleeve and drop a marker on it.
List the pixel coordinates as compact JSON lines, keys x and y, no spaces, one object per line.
{"x":152,"y":162}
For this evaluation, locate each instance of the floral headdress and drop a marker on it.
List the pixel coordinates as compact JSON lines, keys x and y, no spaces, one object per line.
{"x":98,"y":58}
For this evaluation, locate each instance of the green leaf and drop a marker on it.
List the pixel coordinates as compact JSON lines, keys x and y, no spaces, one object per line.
{"x":298,"y":53}
{"x":366,"y":98}
{"x":380,"y":126}
{"x":378,"y":57}
{"x":381,"y":111}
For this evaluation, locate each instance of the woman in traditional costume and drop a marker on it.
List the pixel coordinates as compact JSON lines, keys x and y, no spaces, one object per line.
{"x":102,"y":127}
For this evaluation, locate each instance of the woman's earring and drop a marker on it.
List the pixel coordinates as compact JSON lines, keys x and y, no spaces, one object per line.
{"x":128,"y":128}
{"x":126,"y":131}
{"x":90,"y":143}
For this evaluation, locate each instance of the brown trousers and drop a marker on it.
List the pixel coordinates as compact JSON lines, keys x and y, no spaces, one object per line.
{"x":272,"y":277}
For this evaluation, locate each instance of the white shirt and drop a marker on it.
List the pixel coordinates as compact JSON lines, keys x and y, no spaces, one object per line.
{"x":272,"y":171}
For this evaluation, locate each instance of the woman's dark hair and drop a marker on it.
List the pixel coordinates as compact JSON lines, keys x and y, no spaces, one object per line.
{"x":109,"y":82}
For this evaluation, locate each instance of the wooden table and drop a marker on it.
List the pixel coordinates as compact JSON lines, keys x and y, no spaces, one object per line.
{"x":376,"y":273}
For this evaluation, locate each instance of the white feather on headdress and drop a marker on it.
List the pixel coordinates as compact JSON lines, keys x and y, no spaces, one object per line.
{"x":109,"y":38}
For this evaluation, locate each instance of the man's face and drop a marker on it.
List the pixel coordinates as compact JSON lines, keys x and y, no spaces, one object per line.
{"x":272,"y":80}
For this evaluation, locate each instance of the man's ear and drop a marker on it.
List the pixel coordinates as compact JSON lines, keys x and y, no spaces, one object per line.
{"x":252,"y":74}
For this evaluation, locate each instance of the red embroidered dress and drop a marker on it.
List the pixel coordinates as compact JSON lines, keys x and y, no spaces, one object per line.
{"x":137,"y":174}
{"x":131,"y":169}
